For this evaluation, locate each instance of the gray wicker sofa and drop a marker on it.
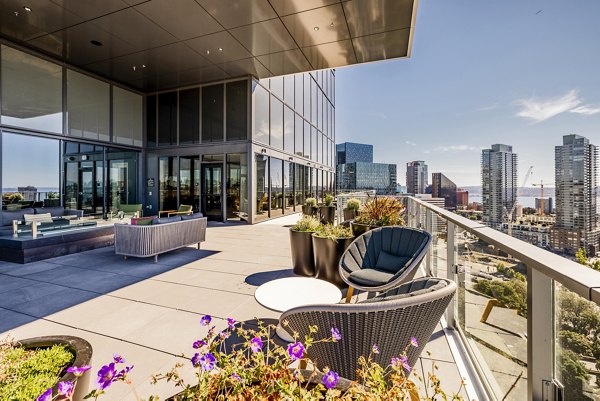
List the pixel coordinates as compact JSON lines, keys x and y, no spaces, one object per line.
{"x":163,"y":235}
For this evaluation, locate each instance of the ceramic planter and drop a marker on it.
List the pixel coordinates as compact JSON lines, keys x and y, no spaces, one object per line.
{"x":81,"y":349}
{"x":327,"y":258}
{"x":327,"y":214}
{"x":303,"y":261}
{"x":350,"y":214}
{"x":359,"y":229}
{"x":308,"y":210}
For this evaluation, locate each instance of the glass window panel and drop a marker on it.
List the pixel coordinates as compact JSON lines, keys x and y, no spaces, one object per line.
{"x":88,"y":107}
{"x":262,"y":187}
{"x":307,"y":93}
{"x":288,"y":187}
{"x":276,"y":185}
{"x":319,"y":109}
{"x":261,"y":114}
{"x":314,"y":144}
{"x":127,"y":117}
{"x":313,"y":101}
{"x":237,"y":180}
{"x":151,"y":120}
{"x":299,"y":136}
{"x":299,"y":91}
{"x":212,"y":113}
{"x":299,"y":184}
{"x":31,"y":92}
{"x":167,"y":118}
{"x":288,"y":130}
{"x":277,"y":86}
{"x":276,"y":123}
{"x":288,"y":90}
{"x":189,"y":116}
{"x":237,"y":110}
{"x":307,"y":138}
{"x":167,"y":176}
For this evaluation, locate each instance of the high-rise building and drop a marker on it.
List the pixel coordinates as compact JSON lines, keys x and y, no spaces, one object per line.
{"x":416,"y":177}
{"x":462,"y":198}
{"x":356,"y":171}
{"x":443,"y":187}
{"x":544,"y":203}
{"x":498,"y":182}
{"x":576,"y":165}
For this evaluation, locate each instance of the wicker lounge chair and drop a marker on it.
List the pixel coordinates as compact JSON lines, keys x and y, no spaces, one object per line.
{"x":388,"y":320}
{"x":383,"y":258}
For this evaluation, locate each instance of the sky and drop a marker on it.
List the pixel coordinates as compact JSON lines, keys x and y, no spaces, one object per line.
{"x":521,"y":73}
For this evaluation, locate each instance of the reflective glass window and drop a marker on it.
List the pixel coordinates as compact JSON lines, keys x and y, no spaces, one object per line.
{"x":313,"y":101}
{"x":314,"y":144}
{"x":307,"y":138}
{"x":299,"y":93}
{"x":299,"y":136}
{"x":261,"y":114}
{"x":189,"y":116}
{"x":288,"y":130}
{"x":31,"y":92}
{"x":237,"y":187}
{"x":276,"y":123}
{"x":262,"y":187}
{"x":212,"y":113}
{"x":277,"y":86}
{"x":127,"y":117}
{"x":288,"y":90}
{"x":168,"y":176}
{"x":307,"y":93}
{"x":167,"y":118}
{"x":288,"y":187}
{"x":276,"y":185}
{"x":88,"y":107}
{"x":151,"y":120}
{"x":237,"y":110}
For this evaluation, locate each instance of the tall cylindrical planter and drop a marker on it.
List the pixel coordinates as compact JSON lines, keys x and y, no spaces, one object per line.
{"x":359,"y":229}
{"x":303,"y":261}
{"x":327,"y":258}
{"x":349,"y":214}
{"x":327,"y":214}
{"x":307,"y":210}
{"x":81,"y":349}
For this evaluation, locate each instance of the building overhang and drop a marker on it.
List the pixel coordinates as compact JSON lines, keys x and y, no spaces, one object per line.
{"x":159,"y":44}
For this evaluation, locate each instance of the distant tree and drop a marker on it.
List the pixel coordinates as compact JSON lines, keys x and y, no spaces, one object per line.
{"x":529,"y":210}
{"x":596,"y":265}
{"x":581,"y":256}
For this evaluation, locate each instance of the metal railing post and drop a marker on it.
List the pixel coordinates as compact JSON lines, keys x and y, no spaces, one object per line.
{"x":450,"y":271}
{"x":429,"y":229}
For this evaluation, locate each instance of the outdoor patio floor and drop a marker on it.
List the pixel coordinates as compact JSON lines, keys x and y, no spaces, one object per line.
{"x":149,"y":313}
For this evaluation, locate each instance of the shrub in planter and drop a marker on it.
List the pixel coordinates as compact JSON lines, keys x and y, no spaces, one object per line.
{"x":377,"y":212}
{"x":301,"y":245}
{"x":351,"y":209}
{"x":310,"y":207}
{"x":327,"y":210}
{"x":329,"y":244}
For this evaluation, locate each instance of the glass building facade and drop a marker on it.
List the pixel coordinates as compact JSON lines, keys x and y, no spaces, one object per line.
{"x":362,"y":176}
{"x":349,"y":152}
{"x":443,"y":187}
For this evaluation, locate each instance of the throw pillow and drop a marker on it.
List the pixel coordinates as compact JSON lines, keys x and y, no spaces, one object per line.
{"x":390,"y":263}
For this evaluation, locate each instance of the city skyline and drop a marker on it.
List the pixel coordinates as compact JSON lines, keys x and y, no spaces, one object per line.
{"x":518,"y":81}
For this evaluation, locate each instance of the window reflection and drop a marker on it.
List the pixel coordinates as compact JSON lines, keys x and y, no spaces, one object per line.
{"x":276,"y":123}
{"x":262,"y":187}
{"x":212,"y":113}
{"x":276,"y":186}
{"x":261,"y":115}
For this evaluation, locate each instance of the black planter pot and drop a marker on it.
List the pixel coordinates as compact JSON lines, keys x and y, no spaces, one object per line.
{"x":327,"y":258}
{"x":327,"y":214}
{"x":51,"y":202}
{"x":81,"y":349}
{"x":303,"y":261}
{"x":350,"y":214}
{"x":359,"y":229}
{"x":308,"y":210}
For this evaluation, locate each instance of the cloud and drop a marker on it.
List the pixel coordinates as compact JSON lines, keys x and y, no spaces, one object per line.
{"x":410,"y":143}
{"x":456,"y":148}
{"x":540,"y":110}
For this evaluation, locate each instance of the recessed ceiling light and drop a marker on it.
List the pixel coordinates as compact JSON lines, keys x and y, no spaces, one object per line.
{"x":96,"y":43}
{"x":331,"y":25}
{"x":143,"y":65}
{"x":27,"y":9}
{"x":133,"y":68}
{"x":220,"y":49}
{"x":16,"y":13}
{"x":316,"y":28}
{"x":208,"y":52}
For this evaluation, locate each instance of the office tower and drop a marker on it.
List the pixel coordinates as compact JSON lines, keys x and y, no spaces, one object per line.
{"x":443,"y":187}
{"x":356,"y":171}
{"x":499,"y":183}
{"x":462,"y":198}
{"x":544,"y":203}
{"x":416,"y":177}
{"x":576,"y":163}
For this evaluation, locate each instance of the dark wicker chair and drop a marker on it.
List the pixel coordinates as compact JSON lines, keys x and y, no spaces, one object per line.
{"x":383,"y":258}
{"x":388,"y":320}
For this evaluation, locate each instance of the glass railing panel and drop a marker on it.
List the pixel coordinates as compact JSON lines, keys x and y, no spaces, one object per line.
{"x":492,"y":314}
{"x":577,"y":345}
{"x":439,"y":246}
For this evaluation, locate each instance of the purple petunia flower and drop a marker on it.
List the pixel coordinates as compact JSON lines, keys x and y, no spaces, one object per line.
{"x":118,"y":358}
{"x":295,"y":351}
{"x":205,"y":320}
{"x":231,"y":322}
{"x":405,"y":364}
{"x":196,"y":360}
{"x":236,"y":377}
{"x":198,"y":344}
{"x":46,"y":395}
{"x":78,"y":371}
{"x":335,"y":333}
{"x":224,"y":335}
{"x":106,"y":376}
{"x":65,"y":388}
{"x":375,"y":349}
{"x":413,"y":342}
{"x":208,"y":362}
{"x":256,"y":344}
{"x":330,"y":379}
{"x":123,"y":372}
{"x":396,"y":362}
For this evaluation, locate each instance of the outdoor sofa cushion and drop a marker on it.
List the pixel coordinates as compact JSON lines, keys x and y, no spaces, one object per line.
{"x":163,"y":220}
{"x":9,"y":215}
{"x":370,"y":277}
{"x":191,"y":216}
{"x":410,"y":289}
{"x":142,"y":221}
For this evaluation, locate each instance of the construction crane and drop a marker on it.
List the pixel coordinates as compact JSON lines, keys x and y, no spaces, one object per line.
{"x":509,"y":215}
{"x":542,"y":200}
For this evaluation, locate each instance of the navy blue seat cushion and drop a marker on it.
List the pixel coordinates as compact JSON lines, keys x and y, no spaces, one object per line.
{"x":163,"y":220}
{"x":390,"y":263}
{"x":191,"y":216}
{"x":370,"y":277}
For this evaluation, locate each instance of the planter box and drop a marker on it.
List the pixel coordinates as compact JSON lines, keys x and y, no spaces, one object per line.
{"x":327,"y":258}
{"x":327,"y":214}
{"x":303,"y":261}
{"x":81,"y":349}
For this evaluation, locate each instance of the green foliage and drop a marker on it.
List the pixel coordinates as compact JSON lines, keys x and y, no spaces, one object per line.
{"x":509,"y":272}
{"x":25,"y":374}
{"x":333,"y":232}
{"x":328,"y":200}
{"x":307,"y":224}
{"x":574,"y":374}
{"x":310,"y":202}
{"x":353,"y":203}
{"x":576,"y":342}
{"x":12,"y":197}
{"x":382,"y":211}
{"x":52,"y":195}
{"x":511,"y":294}
{"x":581,"y":256}
{"x":596,"y":265}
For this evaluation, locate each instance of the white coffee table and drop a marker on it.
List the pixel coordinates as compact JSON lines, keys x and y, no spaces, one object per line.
{"x":286,"y":293}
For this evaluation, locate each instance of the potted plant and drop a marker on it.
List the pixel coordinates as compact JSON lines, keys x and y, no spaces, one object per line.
{"x":310,"y":207}
{"x":351,"y":209}
{"x":52,"y":200}
{"x":327,"y":210}
{"x":45,"y":367}
{"x":377,"y":212}
{"x":301,"y":244}
{"x":329,"y":244}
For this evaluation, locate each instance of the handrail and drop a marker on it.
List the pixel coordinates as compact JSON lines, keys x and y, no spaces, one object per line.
{"x":573,"y":276}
